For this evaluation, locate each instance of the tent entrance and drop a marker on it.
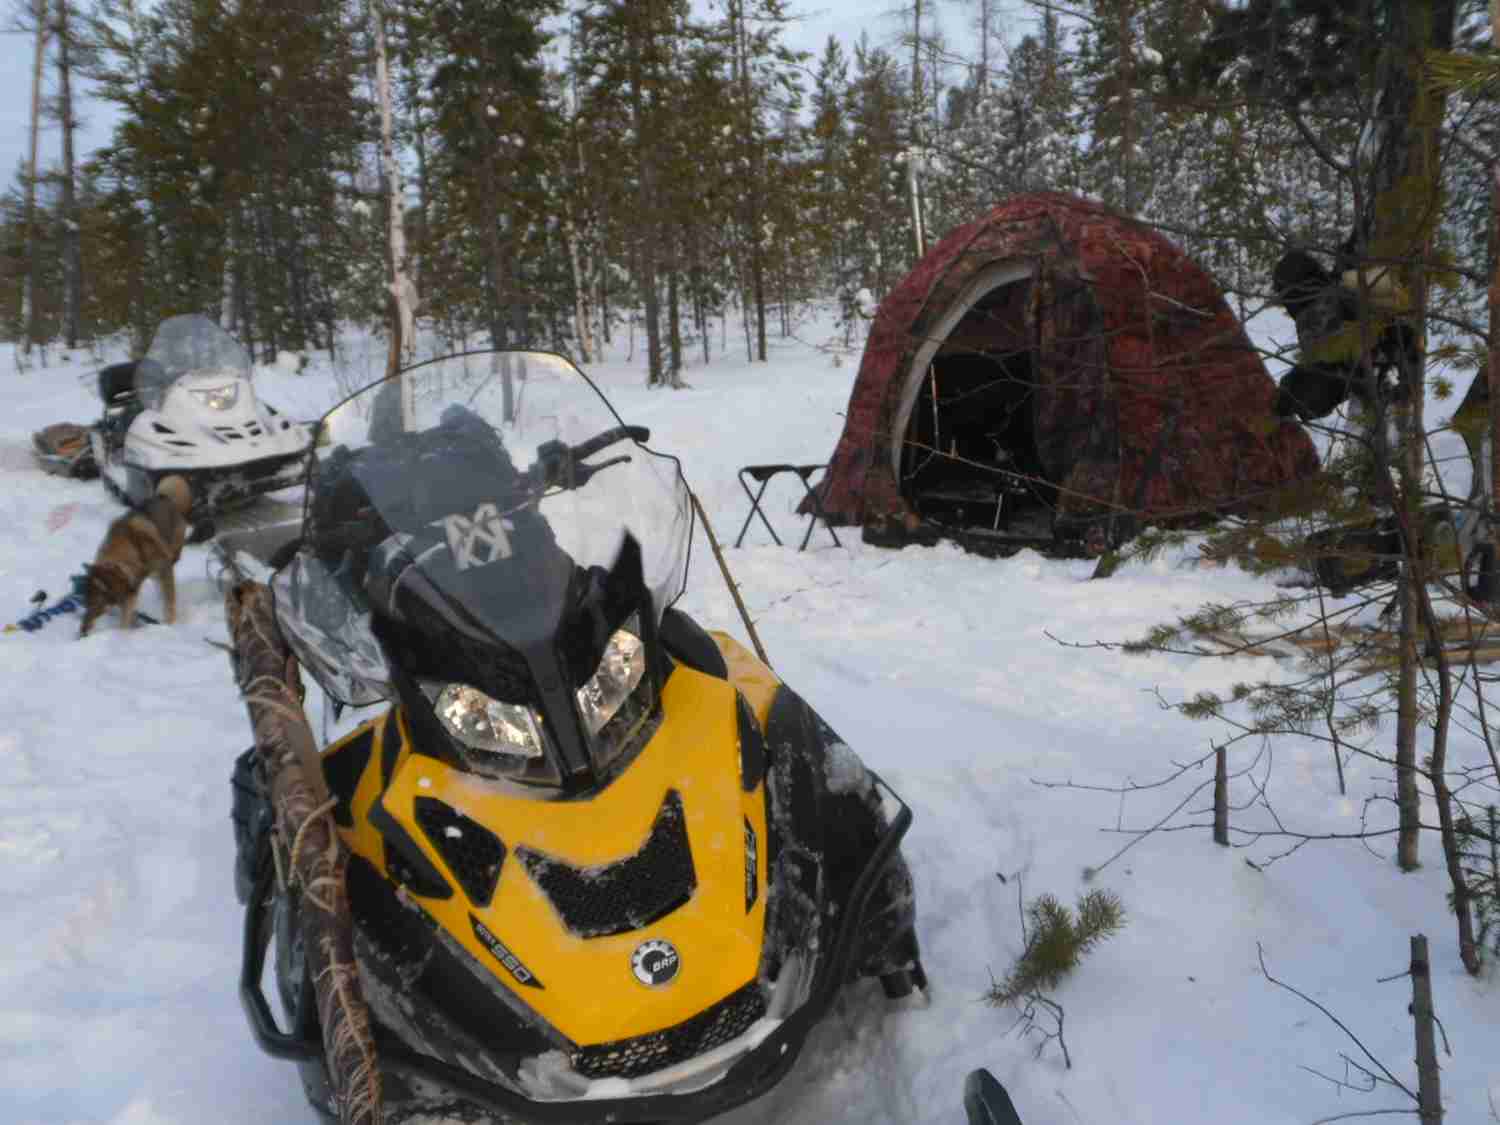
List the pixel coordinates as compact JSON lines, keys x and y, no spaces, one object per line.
{"x":970,"y":461}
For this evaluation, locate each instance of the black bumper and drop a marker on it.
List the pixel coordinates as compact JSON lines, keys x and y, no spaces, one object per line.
{"x":216,"y":488}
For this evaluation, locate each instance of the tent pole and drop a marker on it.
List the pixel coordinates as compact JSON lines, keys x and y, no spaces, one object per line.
{"x":937,"y":438}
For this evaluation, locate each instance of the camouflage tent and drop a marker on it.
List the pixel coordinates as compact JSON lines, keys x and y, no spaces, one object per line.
{"x":1056,"y":371}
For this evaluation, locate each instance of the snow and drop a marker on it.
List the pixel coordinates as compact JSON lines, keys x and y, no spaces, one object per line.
{"x":965,"y":683}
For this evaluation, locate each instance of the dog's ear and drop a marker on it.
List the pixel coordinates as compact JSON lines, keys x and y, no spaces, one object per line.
{"x":176,"y":489}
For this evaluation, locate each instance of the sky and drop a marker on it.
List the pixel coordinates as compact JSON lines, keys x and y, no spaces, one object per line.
{"x":816,"y":21}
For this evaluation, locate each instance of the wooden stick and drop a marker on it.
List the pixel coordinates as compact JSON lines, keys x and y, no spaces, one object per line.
{"x":1221,"y":796}
{"x":271,"y":687}
{"x":1429,"y":1091}
{"x":734,"y":590}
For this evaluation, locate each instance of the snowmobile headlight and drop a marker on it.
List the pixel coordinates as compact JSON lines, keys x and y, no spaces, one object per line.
{"x":618,"y":699}
{"x":218,"y":398}
{"x":496,"y":739}
{"x":508,"y":740}
{"x":619,"y":673}
{"x":484,"y":724}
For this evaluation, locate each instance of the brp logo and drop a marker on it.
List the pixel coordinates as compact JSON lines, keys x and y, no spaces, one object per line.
{"x":655,"y":963}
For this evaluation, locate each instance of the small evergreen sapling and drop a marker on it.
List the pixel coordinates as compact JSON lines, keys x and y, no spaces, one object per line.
{"x":1479,"y":855}
{"x":1056,"y":941}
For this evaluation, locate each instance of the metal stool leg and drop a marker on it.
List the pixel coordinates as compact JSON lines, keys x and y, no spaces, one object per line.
{"x":817,"y":508}
{"x":755,"y":510}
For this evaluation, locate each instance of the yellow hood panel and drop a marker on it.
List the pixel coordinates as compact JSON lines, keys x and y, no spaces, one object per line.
{"x":589,"y":992}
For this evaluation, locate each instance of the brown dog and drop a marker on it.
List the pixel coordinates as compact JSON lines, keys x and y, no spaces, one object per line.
{"x":135,"y":547}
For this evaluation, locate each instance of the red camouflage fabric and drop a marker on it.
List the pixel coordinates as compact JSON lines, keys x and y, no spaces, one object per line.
{"x":1153,"y":405}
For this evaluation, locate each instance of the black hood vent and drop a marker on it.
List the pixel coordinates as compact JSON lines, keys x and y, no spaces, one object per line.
{"x":472,"y":851}
{"x":616,"y":898}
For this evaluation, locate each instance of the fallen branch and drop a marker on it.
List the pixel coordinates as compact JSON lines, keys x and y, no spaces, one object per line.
{"x":315,"y":859}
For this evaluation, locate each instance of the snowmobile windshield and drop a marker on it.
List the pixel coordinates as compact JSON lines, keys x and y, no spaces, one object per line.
{"x":194,"y":345}
{"x":497,"y":515}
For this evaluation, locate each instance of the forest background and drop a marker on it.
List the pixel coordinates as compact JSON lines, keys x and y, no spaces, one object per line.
{"x":574,"y":170}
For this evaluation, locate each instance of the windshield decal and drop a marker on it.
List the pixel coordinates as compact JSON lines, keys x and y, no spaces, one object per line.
{"x":487,"y":532}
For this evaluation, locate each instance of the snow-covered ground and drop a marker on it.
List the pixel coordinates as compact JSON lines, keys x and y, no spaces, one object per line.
{"x":120,"y":932}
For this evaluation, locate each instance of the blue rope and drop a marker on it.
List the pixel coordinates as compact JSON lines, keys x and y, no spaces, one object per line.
{"x":73,"y":602}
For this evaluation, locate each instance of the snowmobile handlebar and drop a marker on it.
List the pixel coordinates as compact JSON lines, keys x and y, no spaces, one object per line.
{"x":559,"y":465}
{"x":609,"y":437}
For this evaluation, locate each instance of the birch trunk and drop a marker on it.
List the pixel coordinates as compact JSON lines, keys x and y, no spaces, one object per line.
{"x":403,"y":290}
{"x":649,"y":216}
{"x":580,"y":289}
{"x":582,"y":317}
{"x":28,"y":288}
{"x":754,"y":206}
{"x":71,"y":252}
{"x":228,"y":307}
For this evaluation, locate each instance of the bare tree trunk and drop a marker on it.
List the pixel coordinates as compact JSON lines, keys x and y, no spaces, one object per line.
{"x":424,"y":189}
{"x":986,"y":29}
{"x":1408,"y":796}
{"x":647,"y":218}
{"x":914,"y":144}
{"x":1429,"y":1084}
{"x":1492,"y":366}
{"x":580,"y":288}
{"x":499,"y":283}
{"x":1463,"y":897}
{"x":228,"y":298}
{"x":284,"y":742}
{"x":700,"y":311}
{"x":916,"y":69}
{"x":1127,"y":94}
{"x":1221,"y":796}
{"x":1394,"y":231}
{"x":754,"y":205}
{"x":599,"y":279}
{"x":71,"y":252}
{"x":402,"y":288}
{"x":33,"y":253}
{"x":581,"y":318}
{"x":674,"y":324}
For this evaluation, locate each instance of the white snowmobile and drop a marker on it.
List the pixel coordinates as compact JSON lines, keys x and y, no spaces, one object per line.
{"x":188,"y":407}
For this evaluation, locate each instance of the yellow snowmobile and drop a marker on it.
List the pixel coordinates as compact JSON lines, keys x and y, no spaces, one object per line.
{"x":605,"y":865}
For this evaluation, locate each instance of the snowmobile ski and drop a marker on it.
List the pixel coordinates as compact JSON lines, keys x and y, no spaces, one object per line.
{"x":986,"y":1102}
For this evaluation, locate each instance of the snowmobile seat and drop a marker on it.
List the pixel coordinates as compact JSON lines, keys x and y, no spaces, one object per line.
{"x":117,"y":383}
